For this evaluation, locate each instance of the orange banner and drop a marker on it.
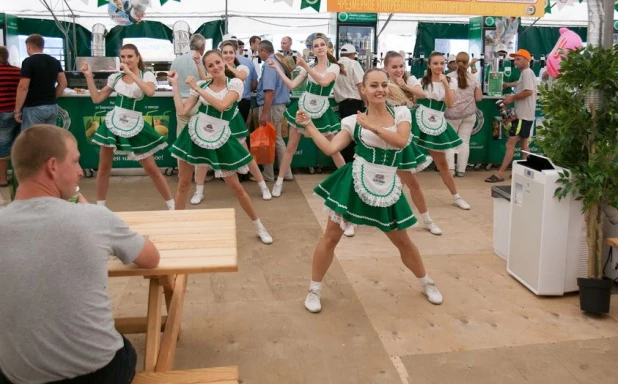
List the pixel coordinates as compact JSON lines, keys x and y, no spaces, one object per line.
{"x":515,"y":8}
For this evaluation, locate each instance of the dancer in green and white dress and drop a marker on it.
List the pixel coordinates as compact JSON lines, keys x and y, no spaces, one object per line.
{"x":413,"y":158}
{"x":368,"y":190}
{"x":321,"y":77}
{"x":207,"y":138}
{"x":124,"y":131}
{"x":430,"y":128}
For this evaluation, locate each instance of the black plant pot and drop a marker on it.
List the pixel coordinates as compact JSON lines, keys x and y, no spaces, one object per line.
{"x":594,"y":295}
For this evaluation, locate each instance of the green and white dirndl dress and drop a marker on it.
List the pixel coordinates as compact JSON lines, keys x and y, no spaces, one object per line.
{"x":124,"y":128}
{"x":413,"y":158}
{"x":368,"y":190}
{"x":316,"y":103}
{"x":430,"y":128}
{"x":238,"y":125}
{"x":206,"y":139}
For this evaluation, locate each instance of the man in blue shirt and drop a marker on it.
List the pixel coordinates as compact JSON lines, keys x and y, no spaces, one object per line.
{"x":272,"y":100}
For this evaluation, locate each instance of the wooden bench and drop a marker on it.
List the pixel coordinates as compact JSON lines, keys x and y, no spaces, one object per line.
{"x":219,"y":375}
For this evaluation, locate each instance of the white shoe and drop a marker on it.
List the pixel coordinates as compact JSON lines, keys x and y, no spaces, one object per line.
{"x":349,"y":231}
{"x":433,"y":228}
{"x":266,"y":194}
{"x":312,"y":302}
{"x":461,"y":203}
{"x":277,"y":189}
{"x":431,"y":291}
{"x":264,"y":235}
{"x":197,"y":198}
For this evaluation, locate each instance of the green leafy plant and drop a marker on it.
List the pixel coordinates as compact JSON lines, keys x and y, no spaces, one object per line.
{"x":580,"y":133}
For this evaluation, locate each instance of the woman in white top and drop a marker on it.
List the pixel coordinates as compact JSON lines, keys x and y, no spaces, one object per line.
{"x":124,"y":131}
{"x":207,"y":138}
{"x":429,"y":126}
{"x":321,"y":77}
{"x":462,"y":114}
{"x":368,"y":190}
{"x":238,"y":125}
{"x":414,"y":160}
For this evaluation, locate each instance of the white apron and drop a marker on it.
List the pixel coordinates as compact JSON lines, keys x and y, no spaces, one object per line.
{"x":376,"y":185}
{"x":208,"y":132}
{"x":124,"y":122}
{"x":430,"y":121}
{"x":314,"y":105}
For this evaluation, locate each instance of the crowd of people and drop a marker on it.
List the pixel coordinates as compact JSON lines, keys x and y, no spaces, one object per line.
{"x":397,"y":125}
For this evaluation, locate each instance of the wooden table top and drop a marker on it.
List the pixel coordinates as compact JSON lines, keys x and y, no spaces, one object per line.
{"x":189,"y":241}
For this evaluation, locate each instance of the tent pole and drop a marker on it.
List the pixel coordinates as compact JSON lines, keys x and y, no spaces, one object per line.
{"x":226,"y":18}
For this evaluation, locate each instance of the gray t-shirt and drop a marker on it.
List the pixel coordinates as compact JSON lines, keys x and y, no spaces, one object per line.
{"x":55,"y":312}
{"x":525,"y":108}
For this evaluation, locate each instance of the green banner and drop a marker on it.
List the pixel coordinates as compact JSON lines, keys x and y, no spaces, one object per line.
{"x":354,"y":18}
{"x":315,"y":4}
{"x":82,"y":117}
{"x":165,"y":1}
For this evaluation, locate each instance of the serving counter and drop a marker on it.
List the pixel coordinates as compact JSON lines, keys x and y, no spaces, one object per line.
{"x":82,"y":117}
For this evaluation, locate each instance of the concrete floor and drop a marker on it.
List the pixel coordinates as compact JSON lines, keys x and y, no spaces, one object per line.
{"x":375,"y":326}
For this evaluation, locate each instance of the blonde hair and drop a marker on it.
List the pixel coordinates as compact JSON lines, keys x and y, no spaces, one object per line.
{"x":35,"y":146}
{"x":462,"y":60}
{"x":395,"y":94}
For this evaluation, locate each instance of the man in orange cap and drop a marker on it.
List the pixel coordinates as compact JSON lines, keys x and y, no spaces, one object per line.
{"x":525,"y":105}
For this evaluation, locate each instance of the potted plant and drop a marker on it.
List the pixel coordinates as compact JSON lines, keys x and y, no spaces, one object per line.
{"x":580,"y":133}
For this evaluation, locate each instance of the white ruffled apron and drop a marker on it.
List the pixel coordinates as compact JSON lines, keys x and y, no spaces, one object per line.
{"x":209,"y":132}
{"x":314,"y":105}
{"x":124,"y":122}
{"x":376,"y":185}
{"x":430,"y":121}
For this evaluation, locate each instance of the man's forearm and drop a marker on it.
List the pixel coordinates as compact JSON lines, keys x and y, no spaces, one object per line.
{"x":20,"y":98}
{"x":268,"y":102}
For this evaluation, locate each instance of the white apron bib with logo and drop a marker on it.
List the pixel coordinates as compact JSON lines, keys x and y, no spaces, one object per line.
{"x":124,"y":122}
{"x":376,"y":185}
{"x":314,"y":105}
{"x":208,"y":132}
{"x":430,"y":121}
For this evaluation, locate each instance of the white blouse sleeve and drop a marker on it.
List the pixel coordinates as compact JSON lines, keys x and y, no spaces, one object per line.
{"x":194,"y":93}
{"x":413,"y":81}
{"x":243,"y":68}
{"x":302,"y":72}
{"x":452,"y":84}
{"x":348,"y":124}
{"x":334,"y":68}
{"x":402,"y":114}
{"x":111,"y":80}
{"x":150,"y":77}
{"x":236,"y":85}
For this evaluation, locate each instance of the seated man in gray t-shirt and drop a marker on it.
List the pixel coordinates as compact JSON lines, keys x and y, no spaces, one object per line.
{"x":55,"y":312}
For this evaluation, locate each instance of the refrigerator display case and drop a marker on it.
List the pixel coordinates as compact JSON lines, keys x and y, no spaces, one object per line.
{"x":360,"y":30}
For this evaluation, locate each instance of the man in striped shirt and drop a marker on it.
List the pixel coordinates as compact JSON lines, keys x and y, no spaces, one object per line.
{"x":9,"y":78}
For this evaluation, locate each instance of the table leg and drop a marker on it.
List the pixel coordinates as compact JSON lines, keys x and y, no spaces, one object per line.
{"x":153,"y":327}
{"x":170,"y":335}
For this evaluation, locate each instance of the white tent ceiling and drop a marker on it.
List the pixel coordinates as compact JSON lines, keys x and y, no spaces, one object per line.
{"x":247,"y":16}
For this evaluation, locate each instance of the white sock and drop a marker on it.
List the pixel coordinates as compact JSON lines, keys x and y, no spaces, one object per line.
{"x":315,"y":285}
{"x":262,"y":184}
{"x":426,"y":217}
{"x":170,"y":204}
{"x":279,"y":180}
{"x":199,"y":189}
{"x":424,"y":280}
{"x":258,"y":224}
{"x":456,"y":196}
{"x":101,"y":202}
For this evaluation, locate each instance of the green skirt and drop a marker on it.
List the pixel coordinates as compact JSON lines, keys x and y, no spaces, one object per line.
{"x":446,"y":140}
{"x":238,"y":127}
{"x":414,"y":159}
{"x":345,"y":205}
{"x":143,"y":145}
{"x":328,"y":124}
{"x":226,"y":160}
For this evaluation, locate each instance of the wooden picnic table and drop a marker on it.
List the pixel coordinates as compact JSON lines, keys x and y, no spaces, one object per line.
{"x":189,"y":241}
